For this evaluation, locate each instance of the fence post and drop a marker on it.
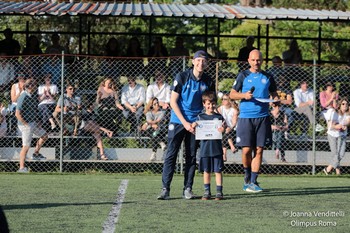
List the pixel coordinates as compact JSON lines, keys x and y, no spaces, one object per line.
{"x":61,"y":113}
{"x":183,"y":63}
{"x":314,"y":116}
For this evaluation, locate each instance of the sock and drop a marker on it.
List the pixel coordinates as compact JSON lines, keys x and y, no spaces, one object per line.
{"x":254,"y":177}
{"x":207,"y":187}
{"x":219,"y":188}
{"x":247,"y":174}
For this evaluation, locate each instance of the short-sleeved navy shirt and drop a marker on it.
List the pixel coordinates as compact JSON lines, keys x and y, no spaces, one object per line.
{"x":190,"y":90}
{"x":264,"y":84}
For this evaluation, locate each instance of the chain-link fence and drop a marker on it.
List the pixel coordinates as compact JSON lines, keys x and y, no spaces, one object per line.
{"x":105,"y":120}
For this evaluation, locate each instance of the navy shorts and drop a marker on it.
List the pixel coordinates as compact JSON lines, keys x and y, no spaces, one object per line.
{"x":211,"y":164}
{"x":254,"y":132}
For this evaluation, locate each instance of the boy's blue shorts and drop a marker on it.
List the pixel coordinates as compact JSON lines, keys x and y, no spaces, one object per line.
{"x":211,"y":164}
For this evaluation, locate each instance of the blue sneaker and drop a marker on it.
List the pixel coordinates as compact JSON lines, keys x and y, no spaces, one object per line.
{"x":254,"y":188}
{"x":245,"y":186}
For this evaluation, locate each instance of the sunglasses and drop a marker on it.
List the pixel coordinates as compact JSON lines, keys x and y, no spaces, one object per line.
{"x":71,"y":88}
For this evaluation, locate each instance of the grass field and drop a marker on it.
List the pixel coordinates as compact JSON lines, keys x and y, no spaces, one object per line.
{"x":82,"y":202}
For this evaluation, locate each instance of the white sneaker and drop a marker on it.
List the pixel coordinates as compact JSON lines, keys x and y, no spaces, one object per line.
{"x":286,"y":135}
{"x":23,"y":170}
{"x":163,"y":146}
{"x":319,"y":128}
{"x":153,"y":156}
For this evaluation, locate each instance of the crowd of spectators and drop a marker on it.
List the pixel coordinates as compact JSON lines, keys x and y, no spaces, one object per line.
{"x":134,"y":99}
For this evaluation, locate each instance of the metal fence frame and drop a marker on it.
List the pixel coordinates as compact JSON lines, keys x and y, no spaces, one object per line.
{"x":141,"y":166}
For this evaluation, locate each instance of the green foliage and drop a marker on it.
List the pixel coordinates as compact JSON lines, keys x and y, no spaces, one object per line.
{"x":192,"y":30}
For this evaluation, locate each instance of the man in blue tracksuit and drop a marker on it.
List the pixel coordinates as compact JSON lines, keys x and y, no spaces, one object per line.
{"x":186,"y":104}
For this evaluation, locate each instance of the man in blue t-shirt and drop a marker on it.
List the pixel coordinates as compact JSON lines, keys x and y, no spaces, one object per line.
{"x":186,"y":104}
{"x":253,"y":88}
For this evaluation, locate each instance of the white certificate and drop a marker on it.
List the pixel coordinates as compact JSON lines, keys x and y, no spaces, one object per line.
{"x":208,"y":130}
{"x":266,"y":100}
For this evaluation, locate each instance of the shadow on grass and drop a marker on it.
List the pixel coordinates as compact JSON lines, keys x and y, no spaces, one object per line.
{"x":293,"y":192}
{"x":50,"y":205}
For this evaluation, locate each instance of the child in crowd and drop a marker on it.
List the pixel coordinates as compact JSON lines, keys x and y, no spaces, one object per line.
{"x":229,"y":110}
{"x":279,"y":125}
{"x":211,"y":153}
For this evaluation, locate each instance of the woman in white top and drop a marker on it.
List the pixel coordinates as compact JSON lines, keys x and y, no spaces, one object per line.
{"x":337,"y":121}
{"x":229,"y":111}
{"x":47,"y":103}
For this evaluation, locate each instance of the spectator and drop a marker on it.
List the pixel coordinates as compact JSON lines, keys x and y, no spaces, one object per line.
{"x":112,"y":48}
{"x":293,"y":55}
{"x":110,"y":66}
{"x":304,"y":101}
{"x":27,"y":115}
{"x":254,"y":125}
{"x":158,"y":49}
{"x":279,"y":124}
{"x":276,"y":69}
{"x":9,"y":46}
{"x":229,"y":110}
{"x":32,"y":63}
{"x":3,"y":123}
{"x":179,"y":50}
{"x":328,"y":98}
{"x":55,"y":47}
{"x":47,"y":101}
{"x":133,"y":99}
{"x":244,"y":54}
{"x":154,"y":126}
{"x":134,"y":48}
{"x":286,"y":101}
{"x":211,"y":150}
{"x":32,"y":47}
{"x":71,"y":110}
{"x":16,"y":91}
{"x":53,"y":64}
{"x":178,"y":53}
{"x":92,"y":127}
{"x":186,"y":104}
{"x":159,"y":89}
{"x":157,"y":55}
{"x":134,"y":66}
{"x":109,"y":107}
{"x":338,"y":120}
{"x":7,"y":73}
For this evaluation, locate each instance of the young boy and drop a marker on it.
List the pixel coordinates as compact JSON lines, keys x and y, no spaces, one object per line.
{"x":211,"y":153}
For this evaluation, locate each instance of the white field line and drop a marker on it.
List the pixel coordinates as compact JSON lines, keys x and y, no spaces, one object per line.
{"x":112,"y":219}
